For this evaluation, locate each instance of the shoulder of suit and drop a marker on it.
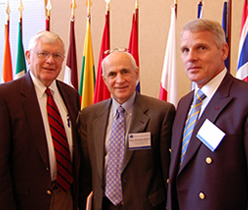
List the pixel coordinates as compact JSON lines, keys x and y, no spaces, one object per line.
{"x":148,"y":102}
{"x":98,"y":106}
{"x":12,"y":86}
{"x":153,"y":100}
{"x":65,"y":86}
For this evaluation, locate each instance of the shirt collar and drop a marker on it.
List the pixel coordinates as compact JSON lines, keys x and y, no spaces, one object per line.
{"x":128,"y":105}
{"x":41,"y":88}
{"x":210,"y":88}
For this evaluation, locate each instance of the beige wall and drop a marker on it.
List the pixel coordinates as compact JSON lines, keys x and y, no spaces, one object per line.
{"x":154,"y":20}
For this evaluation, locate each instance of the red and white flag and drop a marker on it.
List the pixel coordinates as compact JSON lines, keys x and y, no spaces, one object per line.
{"x":242,"y":71}
{"x":168,"y":85}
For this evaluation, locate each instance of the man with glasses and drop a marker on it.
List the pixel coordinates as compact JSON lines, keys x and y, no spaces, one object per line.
{"x":125,"y":141}
{"x":39,"y":147}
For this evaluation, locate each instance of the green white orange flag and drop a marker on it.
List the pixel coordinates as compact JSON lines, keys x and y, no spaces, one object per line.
{"x":7,"y":65}
{"x":20,"y":58}
{"x":87,"y":80}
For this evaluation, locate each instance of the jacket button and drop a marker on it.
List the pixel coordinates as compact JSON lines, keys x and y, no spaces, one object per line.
{"x":49,"y":192}
{"x":202,"y":195}
{"x":209,"y":160}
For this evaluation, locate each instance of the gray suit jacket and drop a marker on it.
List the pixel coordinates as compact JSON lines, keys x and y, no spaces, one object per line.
{"x":24,"y":162}
{"x":145,"y":172}
{"x":212,"y":180}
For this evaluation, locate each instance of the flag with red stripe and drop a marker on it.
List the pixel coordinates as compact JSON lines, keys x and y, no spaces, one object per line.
{"x":242,"y":72}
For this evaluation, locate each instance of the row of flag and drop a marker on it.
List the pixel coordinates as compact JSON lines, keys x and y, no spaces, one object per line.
{"x":20,"y":62}
{"x":93,"y":89}
{"x":168,"y":86}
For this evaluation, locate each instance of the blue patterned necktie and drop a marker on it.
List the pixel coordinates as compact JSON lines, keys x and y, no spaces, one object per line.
{"x":192,"y":119}
{"x":115,"y":157}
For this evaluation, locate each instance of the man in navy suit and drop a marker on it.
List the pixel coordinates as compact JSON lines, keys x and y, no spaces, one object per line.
{"x":213,"y":173}
{"x":28,"y":169}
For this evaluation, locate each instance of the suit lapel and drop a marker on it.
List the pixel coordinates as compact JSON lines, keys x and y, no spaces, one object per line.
{"x":181,"y":117}
{"x":34,"y":119}
{"x":138,"y":124}
{"x":219,"y":101}
{"x":69,"y":101}
{"x":100,"y":126}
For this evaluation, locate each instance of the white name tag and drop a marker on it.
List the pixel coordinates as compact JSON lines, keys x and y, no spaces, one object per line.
{"x":139,"y":141}
{"x":210,"y":135}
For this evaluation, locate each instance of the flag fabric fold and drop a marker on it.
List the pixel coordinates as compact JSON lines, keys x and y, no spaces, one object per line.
{"x":199,"y":15}
{"x":200,"y":10}
{"x":133,"y":44}
{"x":20,"y":60}
{"x":71,"y":74}
{"x":168,"y":86}
{"x":242,"y":69}
{"x":87,"y":80}
{"x":7,"y":65}
{"x":101,"y":90}
{"x":225,"y":28}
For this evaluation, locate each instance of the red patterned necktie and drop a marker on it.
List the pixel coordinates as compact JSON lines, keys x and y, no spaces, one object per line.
{"x":62,"y":153}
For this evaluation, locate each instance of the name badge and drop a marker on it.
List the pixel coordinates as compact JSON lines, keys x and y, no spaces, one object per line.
{"x":210,"y":135}
{"x":139,"y":141}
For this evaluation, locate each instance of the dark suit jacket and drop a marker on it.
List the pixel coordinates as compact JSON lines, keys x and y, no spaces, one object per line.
{"x":145,"y":172}
{"x":212,"y":180}
{"x":24,"y":162}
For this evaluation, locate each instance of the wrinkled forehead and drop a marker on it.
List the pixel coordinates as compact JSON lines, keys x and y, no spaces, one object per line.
{"x":120,"y":59}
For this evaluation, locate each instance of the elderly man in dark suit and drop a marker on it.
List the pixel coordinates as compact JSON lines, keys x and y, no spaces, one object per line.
{"x":142,"y":162}
{"x":33,"y":174}
{"x":209,"y":155}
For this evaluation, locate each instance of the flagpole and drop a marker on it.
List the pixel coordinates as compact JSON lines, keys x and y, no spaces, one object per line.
{"x":200,"y":9}
{"x":107,"y":13}
{"x":137,"y":19}
{"x":48,"y":9}
{"x":88,"y":4}
{"x":229,"y":28}
{"x":7,"y":74}
{"x":175,"y":5}
{"x":73,"y":7}
{"x":7,"y":12}
{"x":20,"y":8}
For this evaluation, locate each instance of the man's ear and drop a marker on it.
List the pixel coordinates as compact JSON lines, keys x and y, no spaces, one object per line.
{"x":224,"y":50}
{"x":27,"y":55}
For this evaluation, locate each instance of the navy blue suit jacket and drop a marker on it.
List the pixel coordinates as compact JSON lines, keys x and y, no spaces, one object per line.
{"x":212,"y":180}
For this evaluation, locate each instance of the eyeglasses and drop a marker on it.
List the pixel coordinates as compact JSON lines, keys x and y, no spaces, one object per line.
{"x":46,"y":55}
{"x":121,"y":49}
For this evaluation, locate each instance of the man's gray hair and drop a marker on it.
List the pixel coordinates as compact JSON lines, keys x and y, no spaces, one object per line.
{"x":46,"y":37}
{"x":202,"y":24}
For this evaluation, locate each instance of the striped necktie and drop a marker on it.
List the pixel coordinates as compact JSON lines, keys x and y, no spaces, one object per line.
{"x":115,"y":157}
{"x":192,"y":119}
{"x":62,"y":153}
